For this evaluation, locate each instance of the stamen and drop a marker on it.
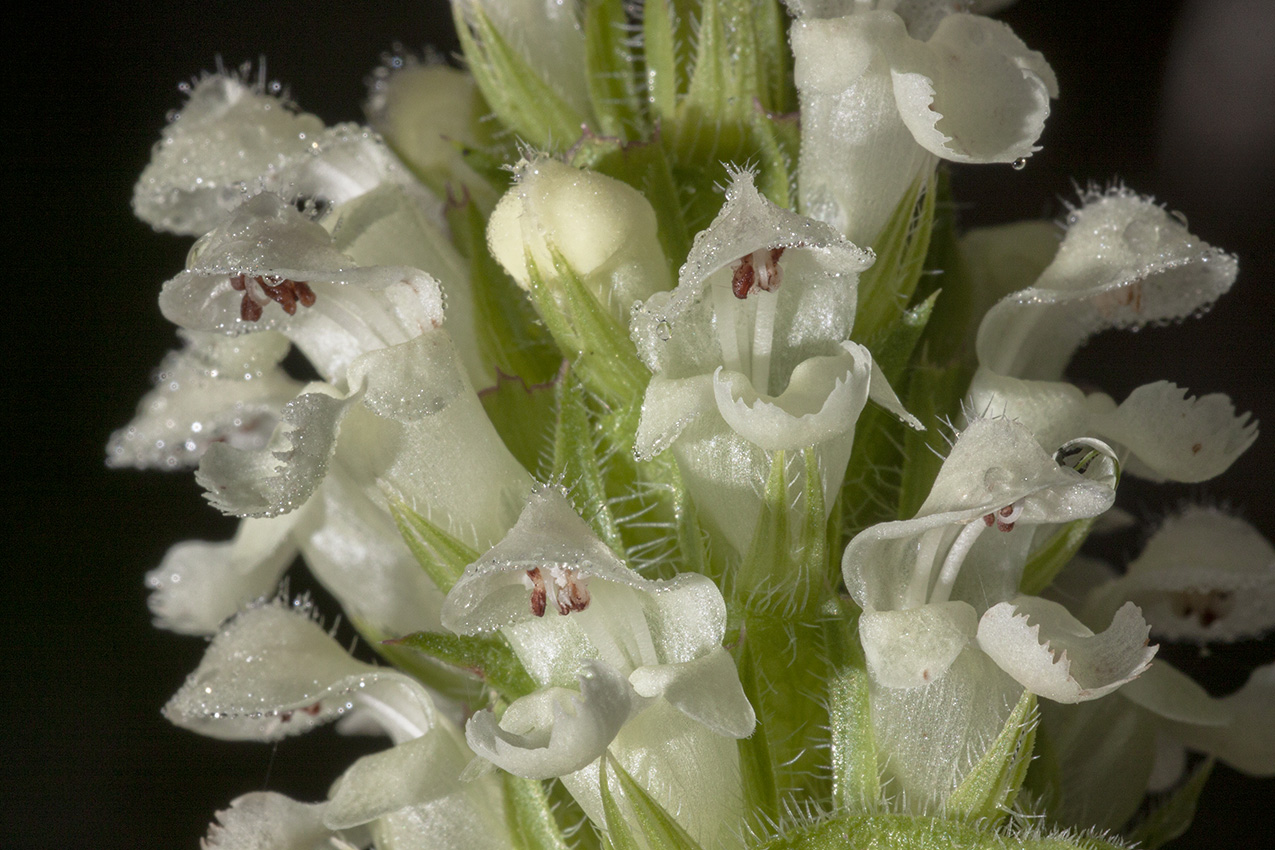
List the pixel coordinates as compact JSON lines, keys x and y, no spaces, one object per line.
{"x":760,"y":269}
{"x":741,"y":280}
{"x":1008,"y":515}
{"x":1005,"y":518}
{"x":570,"y":591}
{"x":955,"y":557}
{"x":763,"y":339}
{"x":281,"y":290}
{"x":1204,"y":606}
{"x":538,"y":594}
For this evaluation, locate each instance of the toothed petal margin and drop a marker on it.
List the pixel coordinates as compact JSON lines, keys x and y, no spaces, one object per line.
{"x":268,"y":821}
{"x":1068,"y":663}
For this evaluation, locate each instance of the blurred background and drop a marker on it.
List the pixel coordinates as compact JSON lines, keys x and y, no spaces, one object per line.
{"x":1178,"y":103}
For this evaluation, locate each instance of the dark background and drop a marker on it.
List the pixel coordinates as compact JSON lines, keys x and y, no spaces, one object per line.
{"x":1179,"y":103}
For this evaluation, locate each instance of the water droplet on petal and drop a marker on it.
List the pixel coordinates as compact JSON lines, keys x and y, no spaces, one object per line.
{"x":1019,"y":164}
{"x":664,"y":330}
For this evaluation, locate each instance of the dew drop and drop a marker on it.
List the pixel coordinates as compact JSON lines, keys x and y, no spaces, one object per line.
{"x":1141,"y":234}
{"x":664,"y":330}
{"x":1019,"y":164}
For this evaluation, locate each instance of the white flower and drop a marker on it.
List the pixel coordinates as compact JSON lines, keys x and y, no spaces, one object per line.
{"x":943,"y":621}
{"x":233,"y":140}
{"x":886,"y":90}
{"x":273,"y":672}
{"x":751,"y":355}
{"x":396,"y":420}
{"x":1204,"y":576}
{"x":626,"y":665}
{"x":215,"y":389}
{"x":1124,"y":263}
{"x":266,"y":267}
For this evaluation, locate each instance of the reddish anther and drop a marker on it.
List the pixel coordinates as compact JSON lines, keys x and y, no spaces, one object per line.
{"x":573,"y":597}
{"x":741,"y":281}
{"x":539,"y":596}
{"x":281,"y":290}
{"x":745,"y":272}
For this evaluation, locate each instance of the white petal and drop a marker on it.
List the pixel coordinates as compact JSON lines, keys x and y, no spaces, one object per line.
{"x":1124,"y":263}
{"x":421,"y":435}
{"x":425,"y":112}
{"x":686,"y":615}
{"x":922,"y":761}
{"x":1175,"y":436}
{"x":1106,"y":748}
{"x":1068,"y":662}
{"x":1247,"y":742}
{"x":199,"y":585}
{"x":283,"y":476}
{"x":1167,"y":692}
{"x":555,"y":731}
{"x":857,"y":158}
{"x":668,"y":408}
{"x":604,"y":229}
{"x":977,"y":94}
{"x":1005,"y":258}
{"x":706,"y":690}
{"x":355,"y":551}
{"x":216,"y":389}
{"x":916,"y":646}
{"x":393,"y":226}
{"x":228,"y":134}
{"x":1203,"y":576}
{"x":268,"y":821}
{"x":669,"y":755}
{"x":1054,"y":411}
{"x":270,"y":673}
{"x":994,"y":463}
{"x":353,"y":310}
{"x":679,"y":334}
{"x":418,"y":771}
{"x":339,"y":164}
{"x":822,"y":402}
{"x":472,"y":821}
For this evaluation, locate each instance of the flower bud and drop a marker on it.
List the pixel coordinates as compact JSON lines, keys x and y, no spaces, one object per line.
{"x":425,"y":112}
{"x":602,"y":229}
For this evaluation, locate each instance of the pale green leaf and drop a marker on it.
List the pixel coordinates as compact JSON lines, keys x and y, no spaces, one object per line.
{"x":856,"y":784}
{"x":513,"y":89}
{"x":659,"y":829}
{"x":576,"y":463}
{"x":612,"y":72}
{"x":524,"y":417}
{"x":441,"y":555}
{"x":490,"y":658}
{"x":529,"y":815}
{"x":510,"y":337}
{"x":886,"y":288}
{"x":987,"y":792}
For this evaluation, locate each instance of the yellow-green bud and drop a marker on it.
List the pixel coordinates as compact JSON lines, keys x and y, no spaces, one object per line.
{"x":603,"y":229}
